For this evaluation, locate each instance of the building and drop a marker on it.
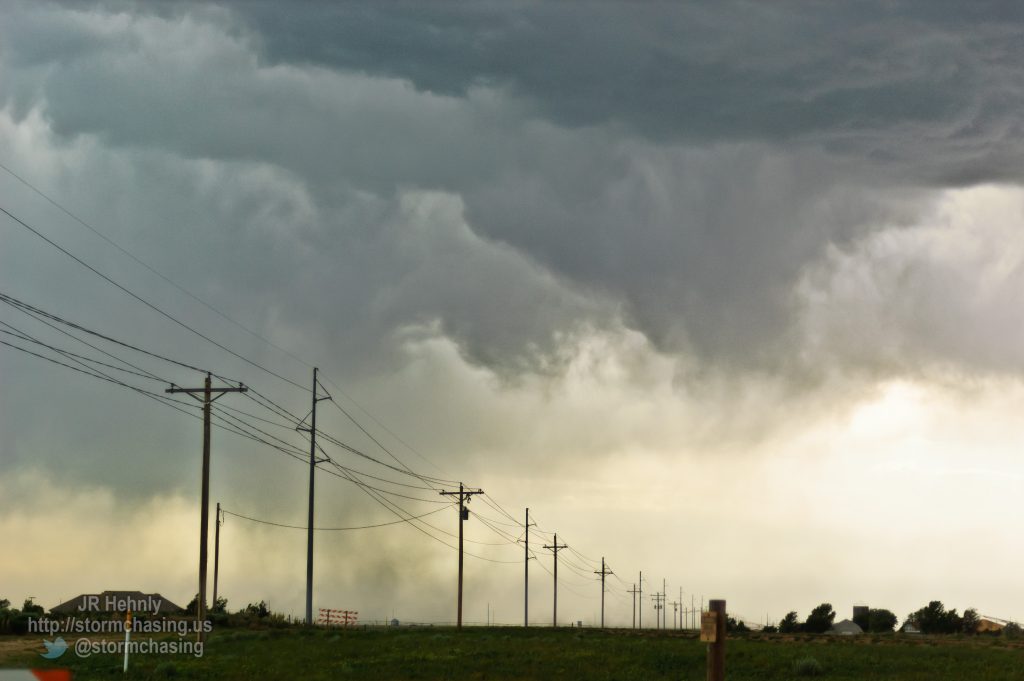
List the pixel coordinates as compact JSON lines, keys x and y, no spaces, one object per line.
{"x":987,"y":626}
{"x":846,"y":628}
{"x":118,"y":601}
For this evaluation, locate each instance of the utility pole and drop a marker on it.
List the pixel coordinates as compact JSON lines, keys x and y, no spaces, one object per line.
{"x":216,"y":555}
{"x":676,"y":615}
{"x":204,"y":511}
{"x":464,"y":496}
{"x":640,"y":618}
{"x":555,"y":548}
{"x":526,"y":565}
{"x":634,"y":592}
{"x":659,"y":606}
{"x":313,"y":461}
{"x":603,"y":572}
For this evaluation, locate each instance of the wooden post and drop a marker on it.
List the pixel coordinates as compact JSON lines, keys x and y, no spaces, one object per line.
{"x":716,"y":646}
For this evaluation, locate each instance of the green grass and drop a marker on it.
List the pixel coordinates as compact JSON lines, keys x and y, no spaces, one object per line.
{"x":514,"y":653}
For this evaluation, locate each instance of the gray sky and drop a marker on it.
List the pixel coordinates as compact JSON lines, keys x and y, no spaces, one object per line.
{"x":727,"y":293}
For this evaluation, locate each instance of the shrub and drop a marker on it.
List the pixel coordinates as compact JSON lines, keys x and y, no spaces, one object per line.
{"x":807,"y":666}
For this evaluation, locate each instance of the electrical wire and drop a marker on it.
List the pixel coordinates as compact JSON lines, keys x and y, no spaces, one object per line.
{"x":327,"y":529}
{"x":149,"y":267}
{"x":146,"y":302}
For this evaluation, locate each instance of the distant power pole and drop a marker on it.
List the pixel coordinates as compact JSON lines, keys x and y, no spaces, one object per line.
{"x":676,"y":615}
{"x":216,"y":555}
{"x":681,"y":604}
{"x":604,"y":571}
{"x":640,"y":612}
{"x":555,"y":548}
{"x":526,"y":566}
{"x":204,"y":511}
{"x":634,"y":592}
{"x":659,"y":607}
{"x":313,"y":461}
{"x":464,"y":496}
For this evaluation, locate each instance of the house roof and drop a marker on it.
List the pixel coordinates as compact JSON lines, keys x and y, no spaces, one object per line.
{"x":73,"y":605}
{"x":846,"y":628}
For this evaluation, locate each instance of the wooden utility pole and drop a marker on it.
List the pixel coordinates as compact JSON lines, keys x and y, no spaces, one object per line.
{"x":313,"y":461}
{"x":207,"y":399}
{"x":640,"y":612}
{"x":555,"y":548}
{"x":604,"y":571}
{"x":659,"y":608}
{"x":216,"y":555}
{"x":676,"y":615}
{"x":526,"y":566}
{"x":634,"y":592}
{"x":464,"y":496}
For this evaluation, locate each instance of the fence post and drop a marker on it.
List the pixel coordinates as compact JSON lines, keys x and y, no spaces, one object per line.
{"x":713,"y":632}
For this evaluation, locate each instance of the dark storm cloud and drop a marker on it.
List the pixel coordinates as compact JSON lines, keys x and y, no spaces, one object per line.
{"x":856,"y":77}
{"x":673,"y":166}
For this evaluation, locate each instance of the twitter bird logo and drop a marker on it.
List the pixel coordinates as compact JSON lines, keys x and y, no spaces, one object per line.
{"x":55,"y":649}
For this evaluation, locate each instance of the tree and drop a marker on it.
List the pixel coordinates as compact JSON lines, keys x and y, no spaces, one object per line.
{"x":190,"y":609}
{"x":220,"y":605}
{"x":881,"y":621}
{"x":732,"y":625}
{"x":820,"y":619}
{"x":970,"y":621}
{"x":30,"y":608}
{"x":257,"y":609}
{"x":935,"y":619}
{"x":4,"y":604}
{"x":790,"y":624}
{"x":769,"y":629}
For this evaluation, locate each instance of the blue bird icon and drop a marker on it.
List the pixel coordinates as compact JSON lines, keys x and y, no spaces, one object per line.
{"x":54,"y":649}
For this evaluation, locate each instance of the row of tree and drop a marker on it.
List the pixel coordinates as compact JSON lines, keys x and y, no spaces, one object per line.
{"x":935,"y":619}
{"x":876,"y":620}
{"x":931,"y":619}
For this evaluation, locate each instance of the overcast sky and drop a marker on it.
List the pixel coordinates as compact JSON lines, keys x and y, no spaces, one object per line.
{"x":724,"y":292}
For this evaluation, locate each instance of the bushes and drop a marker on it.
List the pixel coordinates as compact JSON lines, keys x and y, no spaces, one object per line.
{"x":807,"y":666}
{"x":14,"y":621}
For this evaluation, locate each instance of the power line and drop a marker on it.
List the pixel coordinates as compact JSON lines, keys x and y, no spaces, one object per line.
{"x":146,"y":302}
{"x":330,"y":529}
{"x":141,"y":262}
{"x":197,"y":299}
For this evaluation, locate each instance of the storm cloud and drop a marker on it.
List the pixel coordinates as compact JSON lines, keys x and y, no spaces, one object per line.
{"x":538,"y":236}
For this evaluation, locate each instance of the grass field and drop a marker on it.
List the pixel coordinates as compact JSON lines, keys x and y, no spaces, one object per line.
{"x":515,"y":653}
